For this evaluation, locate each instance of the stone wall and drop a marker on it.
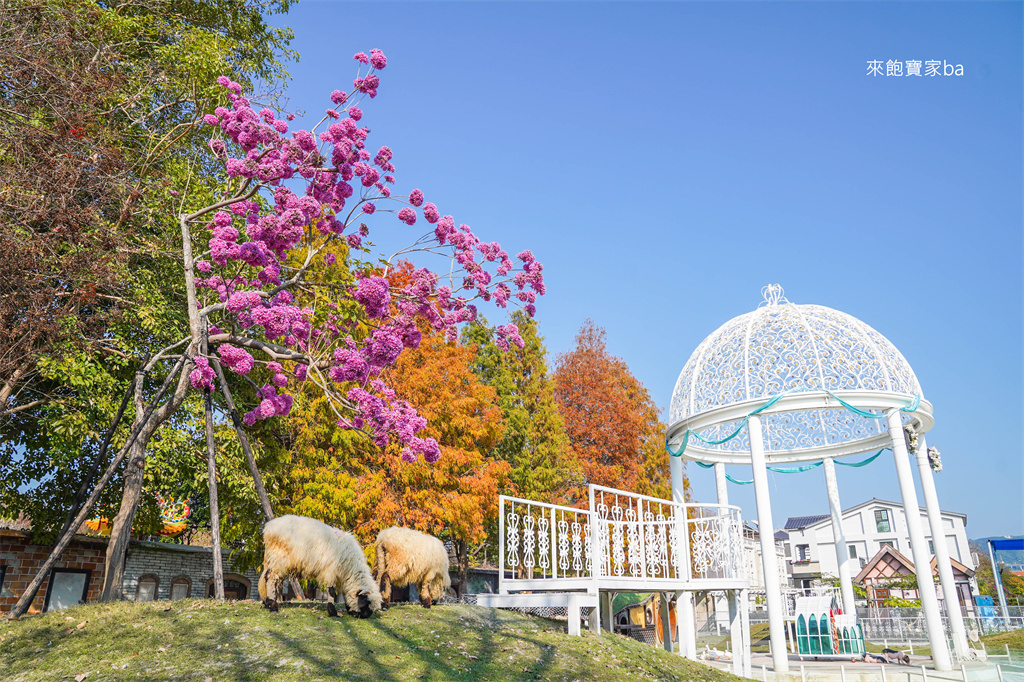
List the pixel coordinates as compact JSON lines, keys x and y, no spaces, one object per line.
{"x":165,"y":562}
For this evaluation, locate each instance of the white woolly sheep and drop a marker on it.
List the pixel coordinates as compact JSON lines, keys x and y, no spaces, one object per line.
{"x":405,"y":556}
{"x":304,"y":547}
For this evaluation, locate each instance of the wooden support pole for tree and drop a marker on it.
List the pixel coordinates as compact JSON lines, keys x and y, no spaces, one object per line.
{"x":25,"y":601}
{"x":211,"y":472}
{"x":261,"y":492}
{"x":101,"y":456}
{"x":236,"y":421}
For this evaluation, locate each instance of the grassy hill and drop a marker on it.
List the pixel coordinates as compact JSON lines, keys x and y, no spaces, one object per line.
{"x":202,"y":640}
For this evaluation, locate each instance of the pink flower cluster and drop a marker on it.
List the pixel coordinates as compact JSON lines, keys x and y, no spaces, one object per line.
{"x":271,"y":405}
{"x":506,"y":334}
{"x":202,"y":376}
{"x":254,"y":245}
{"x":237,"y":359}
{"x":382,"y":415}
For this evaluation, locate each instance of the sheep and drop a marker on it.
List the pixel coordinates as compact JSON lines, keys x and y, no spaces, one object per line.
{"x":296,"y":545}
{"x":405,"y":556}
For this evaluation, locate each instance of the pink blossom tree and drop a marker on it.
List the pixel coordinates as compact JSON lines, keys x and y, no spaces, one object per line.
{"x":292,"y":202}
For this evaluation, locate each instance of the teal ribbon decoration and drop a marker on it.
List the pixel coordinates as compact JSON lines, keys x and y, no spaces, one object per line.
{"x":806,"y":467}
{"x":864,"y":463}
{"x":911,"y":407}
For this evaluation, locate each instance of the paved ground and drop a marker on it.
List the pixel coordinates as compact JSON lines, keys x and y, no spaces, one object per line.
{"x":846,"y":670}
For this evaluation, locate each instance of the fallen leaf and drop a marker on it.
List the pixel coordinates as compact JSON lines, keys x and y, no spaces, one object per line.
{"x":82,"y":624}
{"x":79,"y":678}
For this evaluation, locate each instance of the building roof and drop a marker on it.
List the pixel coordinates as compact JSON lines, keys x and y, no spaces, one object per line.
{"x":889,"y":561}
{"x":800,"y":522}
{"x":803,"y":521}
{"x":886,"y":563}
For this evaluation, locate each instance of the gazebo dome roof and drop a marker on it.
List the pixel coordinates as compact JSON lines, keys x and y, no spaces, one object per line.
{"x":783,"y":347}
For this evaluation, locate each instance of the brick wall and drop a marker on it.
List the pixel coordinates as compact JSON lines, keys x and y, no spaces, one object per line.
{"x":22,"y":560}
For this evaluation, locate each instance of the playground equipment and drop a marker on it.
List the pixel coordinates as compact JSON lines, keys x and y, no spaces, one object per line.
{"x":822,"y":629}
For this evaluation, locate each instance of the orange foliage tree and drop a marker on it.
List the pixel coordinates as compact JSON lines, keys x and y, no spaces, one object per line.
{"x":610,"y":420}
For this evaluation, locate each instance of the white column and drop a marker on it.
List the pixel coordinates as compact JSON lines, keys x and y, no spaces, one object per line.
{"x":605,"y":601}
{"x":998,"y":576}
{"x":745,"y":630}
{"x":686,"y":625}
{"x":949,"y":592}
{"x":720,"y":484}
{"x":842,"y":554}
{"x":918,"y":546}
{"x":766,"y":530}
{"x":675,"y":468}
{"x":735,"y":632}
{"x":685,"y":622}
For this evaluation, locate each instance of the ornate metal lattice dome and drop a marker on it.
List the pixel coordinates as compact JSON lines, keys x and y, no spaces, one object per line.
{"x":812,"y":356}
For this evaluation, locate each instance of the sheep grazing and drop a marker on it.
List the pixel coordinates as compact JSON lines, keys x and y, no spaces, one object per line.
{"x":405,"y":556}
{"x":303,"y":547}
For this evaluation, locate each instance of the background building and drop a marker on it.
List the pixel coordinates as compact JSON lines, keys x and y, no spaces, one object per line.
{"x":869,"y":526}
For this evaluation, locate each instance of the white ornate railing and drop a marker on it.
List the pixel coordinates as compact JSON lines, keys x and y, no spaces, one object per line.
{"x":623,"y":540}
{"x":638,"y":536}
{"x":715,"y":533}
{"x":541,"y":543}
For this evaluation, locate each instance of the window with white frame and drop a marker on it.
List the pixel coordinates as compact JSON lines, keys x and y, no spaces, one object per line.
{"x":853,"y":551}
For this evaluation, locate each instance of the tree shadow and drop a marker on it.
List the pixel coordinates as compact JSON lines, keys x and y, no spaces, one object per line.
{"x":487,"y":652}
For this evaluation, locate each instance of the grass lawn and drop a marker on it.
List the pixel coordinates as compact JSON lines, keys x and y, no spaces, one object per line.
{"x":203,"y":640}
{"x":758,"y":639}
{"x":996,"y":643}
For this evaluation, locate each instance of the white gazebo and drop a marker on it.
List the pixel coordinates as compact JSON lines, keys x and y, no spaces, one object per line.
{"x":801,"y":385}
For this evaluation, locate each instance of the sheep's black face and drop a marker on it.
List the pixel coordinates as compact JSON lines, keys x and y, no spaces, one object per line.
{"x":364,"y":605}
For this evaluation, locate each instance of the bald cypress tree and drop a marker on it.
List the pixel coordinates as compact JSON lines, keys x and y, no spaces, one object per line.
{"x":534,"y":444}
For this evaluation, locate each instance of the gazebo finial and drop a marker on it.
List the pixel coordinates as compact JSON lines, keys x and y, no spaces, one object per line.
{"x":772,"y":294}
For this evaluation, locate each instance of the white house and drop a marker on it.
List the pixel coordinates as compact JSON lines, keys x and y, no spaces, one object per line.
{"x":867,"y":526}
{"x":752,"y":557}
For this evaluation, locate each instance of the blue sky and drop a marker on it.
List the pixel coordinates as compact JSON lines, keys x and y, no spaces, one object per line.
{"x":666,"y":160}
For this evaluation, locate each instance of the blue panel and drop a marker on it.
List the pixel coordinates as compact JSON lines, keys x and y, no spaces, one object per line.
{"x":826,"y":636}
{"x":803,"y":645}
